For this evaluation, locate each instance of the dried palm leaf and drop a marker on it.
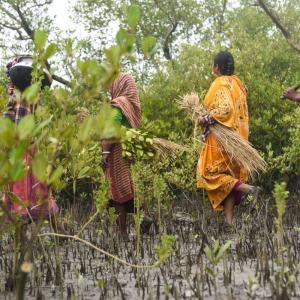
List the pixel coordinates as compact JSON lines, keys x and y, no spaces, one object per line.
{"x":167,"y":147}
{"x":235,"y":146}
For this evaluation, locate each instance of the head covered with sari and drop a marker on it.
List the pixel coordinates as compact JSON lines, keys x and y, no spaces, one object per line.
{"x":125,"y":96}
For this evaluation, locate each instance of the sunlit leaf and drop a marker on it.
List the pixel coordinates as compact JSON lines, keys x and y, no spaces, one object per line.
{"x":40,"y":38}
{"x":25,"y":127}
{"x":133,"y":15}
{"x":83,"y":172}
{"x":31,"y":93}
{"x":17,"y":153}
{"x":85,"y":129}
{"x":148,"y":44}
{"x":56,"y":175}
{"x":7,"y":136}
{"x":18,"y":170}
{"x":50,"y":51}
{"x":101,"y":283}
{"x":39,"y":166}
{"x":41,"y":126}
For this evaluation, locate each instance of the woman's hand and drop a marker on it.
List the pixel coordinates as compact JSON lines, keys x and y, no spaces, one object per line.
{"x":107,"y":148}
{"x":82,"y":113}
{"x":206,"y":120}
{"x":201,"y":121}
{"x":105,"y":157}
{"x":291,"y":94}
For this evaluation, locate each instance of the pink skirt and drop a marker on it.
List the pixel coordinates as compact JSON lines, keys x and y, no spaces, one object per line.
{"x":35,"y":196}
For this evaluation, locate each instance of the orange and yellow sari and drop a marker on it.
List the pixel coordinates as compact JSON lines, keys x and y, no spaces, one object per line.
{"x":226,"y":102}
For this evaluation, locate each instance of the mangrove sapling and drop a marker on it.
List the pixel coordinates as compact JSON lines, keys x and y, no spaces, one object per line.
{"x":138,"y":214}
{"x":159,"y":188}
{"x":283,"y":278}
{"x":280,"y":195}
{"x":251,"y":286}
{"x":25,"y":263}
{"x":58,"y":270}
{"x":100,"y":197}
{"x":214,"y":256}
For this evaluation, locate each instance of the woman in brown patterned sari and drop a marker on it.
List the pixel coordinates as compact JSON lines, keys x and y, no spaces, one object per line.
{"x":126,"y":103}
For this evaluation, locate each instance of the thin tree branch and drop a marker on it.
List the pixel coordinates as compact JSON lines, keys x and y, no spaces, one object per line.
{"x":61,"y":80}
{"x":277,"y":22}
{"x":24,"y":22}
{"x":221,"y":16}
{"x":25,"y":25}
{"x":9,"y":26}
{"x":167,"y":42}
{"x":9,"y":14}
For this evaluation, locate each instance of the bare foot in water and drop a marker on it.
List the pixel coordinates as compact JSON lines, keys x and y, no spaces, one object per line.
{"x":254,"y":195}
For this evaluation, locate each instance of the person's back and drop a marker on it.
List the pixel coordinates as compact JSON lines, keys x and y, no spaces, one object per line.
{"x":226,"y":101}
{"x":217,"y":172}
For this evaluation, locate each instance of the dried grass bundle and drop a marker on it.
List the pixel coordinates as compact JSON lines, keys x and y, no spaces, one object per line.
{"x":237,"y":148}
{"x":166,"y":147}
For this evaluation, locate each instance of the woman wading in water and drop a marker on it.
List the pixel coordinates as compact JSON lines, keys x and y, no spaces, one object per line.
{"x":226,"y":102}
{"x":126,"y":105}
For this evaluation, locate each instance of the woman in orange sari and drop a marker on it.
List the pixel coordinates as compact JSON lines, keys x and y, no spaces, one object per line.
{"x":226,"y":102}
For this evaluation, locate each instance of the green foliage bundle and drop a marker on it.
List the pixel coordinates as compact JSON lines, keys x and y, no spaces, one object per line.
{"x":137,"y":145}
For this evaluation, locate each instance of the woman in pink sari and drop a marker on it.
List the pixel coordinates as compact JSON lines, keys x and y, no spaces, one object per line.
{"x":37,"y":199}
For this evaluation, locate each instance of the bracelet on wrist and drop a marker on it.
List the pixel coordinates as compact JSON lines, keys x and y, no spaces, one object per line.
{"x":105,"y":152}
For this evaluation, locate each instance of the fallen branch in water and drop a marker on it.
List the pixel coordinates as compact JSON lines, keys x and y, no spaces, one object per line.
{"x":76,"y":238}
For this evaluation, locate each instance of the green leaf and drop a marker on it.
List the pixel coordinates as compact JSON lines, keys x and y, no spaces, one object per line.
{"x":31,"y":93}
{"x":25,"y":127}
{"x":148,"y":44}
{"x":40,"y":38}
{"x":113,"y":55}
{"x":121,"y":37}
{"x":16,"y":200}
{"x":101,"y":283}
{"x":133,"y":15}
{"x":18,"y":170}
{"x":216,"y":246}
{"x":7,"y":134}
{"x":17,"y":153}
{"x":83,"y":172}
{"x":222,"y":250}
{"x":69,"y":47}
{"x":208,"y":253}
{"x":56,"y":175}
{"x":50,"y":51}
{"x":39,"y":166}
{"x":42,"y":125}
{"x":85,"y":129}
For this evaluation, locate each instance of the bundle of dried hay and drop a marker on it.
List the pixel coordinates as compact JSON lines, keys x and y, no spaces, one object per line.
{"x":166,"y":147}
{"x":237,"y":148}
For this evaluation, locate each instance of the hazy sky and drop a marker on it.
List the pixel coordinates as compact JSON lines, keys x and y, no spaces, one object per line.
{"x":60,"y":9}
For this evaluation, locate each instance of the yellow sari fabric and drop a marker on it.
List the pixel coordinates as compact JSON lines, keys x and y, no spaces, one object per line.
{"x":226,"y":102}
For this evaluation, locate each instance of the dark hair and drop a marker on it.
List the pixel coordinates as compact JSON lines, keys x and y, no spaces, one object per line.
{"x":225,"y":62}
{"x":20,"y":74}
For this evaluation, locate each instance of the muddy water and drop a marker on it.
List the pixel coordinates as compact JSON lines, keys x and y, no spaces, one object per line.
{"x":88,"y":274}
